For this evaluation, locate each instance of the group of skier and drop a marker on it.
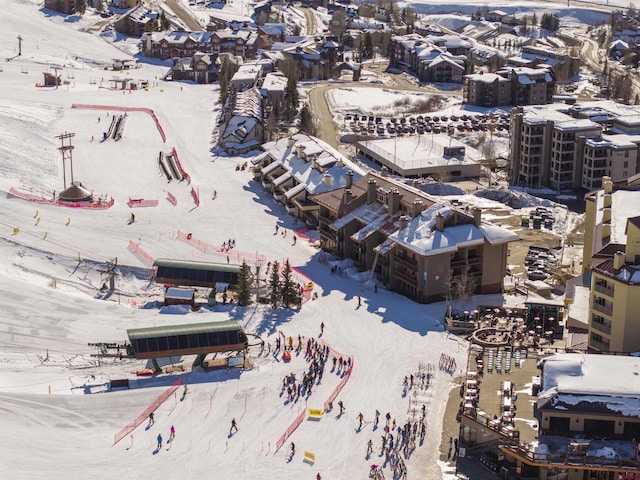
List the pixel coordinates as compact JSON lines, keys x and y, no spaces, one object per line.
{"x":172,"y":431}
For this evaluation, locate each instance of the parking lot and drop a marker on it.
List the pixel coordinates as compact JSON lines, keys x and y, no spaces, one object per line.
{"x":421,"y":124}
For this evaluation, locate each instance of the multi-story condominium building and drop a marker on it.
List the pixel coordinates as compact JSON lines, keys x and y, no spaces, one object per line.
{"x":567,"y":148}
{"x":510,"y":86}
{"x":588,"y":420}
{"x":416,"y":244}
{"x":612,"y":255}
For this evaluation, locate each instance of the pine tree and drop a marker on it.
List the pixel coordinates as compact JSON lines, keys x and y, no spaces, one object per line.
{"x":307,"y":124}
{"x":289,"y":293}
{"x":244,"y":284}
{"x":81,"y":6}
{"x":291,"y":99}
{"x":228,"y":69}
{"x":275,"y":285}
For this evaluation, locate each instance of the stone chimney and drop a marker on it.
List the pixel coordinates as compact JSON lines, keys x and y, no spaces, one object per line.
{"x":327,"y":179}
{"x":372,"y":189}
{"x":290,"y":142}
{"x":393,"y":201}
{"x":347,"y":196}
{"x":349,"y":179}
{"x":384,"y":171}
{"x":403,"y":222}
{"x":416,"y":207}
{"x":477,"y":216}
{"x":300,"y":151}
{"x":439,"y":222}
{"x":618,"y":260}
{"x":607,"y":184}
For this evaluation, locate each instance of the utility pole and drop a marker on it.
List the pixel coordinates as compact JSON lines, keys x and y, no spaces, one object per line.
{"x":19,"y":45}
{"x":110,"y":272}
{"x":67,"y":153}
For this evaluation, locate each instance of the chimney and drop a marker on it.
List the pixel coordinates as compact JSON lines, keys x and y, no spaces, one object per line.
{"x":372,"y":189}
{"x":327,"y":179}
{"x":300,"y":151}
{"x":415,"y":183}
{"x":607,"y":184}
{"x":347,"y":196}
{"x":618,"y":260}
{"x":393,"y":201}
{"x":384,"y":171}
{"x":403,"y":222}
{"x":477,"y":216}
{"x":290,"y":142}
{"x":416,"y":207}
{"x":349,"y":179}
{"x":439,"y":222}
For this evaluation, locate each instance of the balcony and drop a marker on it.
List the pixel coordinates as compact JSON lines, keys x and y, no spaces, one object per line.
{"x":606,"y":290}
{"x":601,"y":327}
{"x":600,"y":346}
{"x":405,"y":277}
{"x":407,"y":263}
{"x":607,"y":310}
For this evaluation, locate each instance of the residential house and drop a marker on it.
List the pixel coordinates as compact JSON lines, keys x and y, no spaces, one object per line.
{"x":415,"y":243}
{"x":242,"y":122}
{"x":62,"y":6}
{"x":201,"y":68}
{"x":295,"y":168}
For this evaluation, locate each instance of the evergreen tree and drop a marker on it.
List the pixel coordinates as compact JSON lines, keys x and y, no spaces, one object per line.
{"x":291,"y":99}
{"x":228,"y":68}
{"x":307,"y":124}
{"x":244,"y":284}
{"x":81,"y":6}
{"x":366,"y":47}
{"x":289,"y":292}
{"x":275,"y":285}
{"x":164,"y":22}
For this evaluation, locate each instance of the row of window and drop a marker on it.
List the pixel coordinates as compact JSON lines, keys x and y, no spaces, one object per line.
{"x":186,"y":275}
{"x":183,"y":342}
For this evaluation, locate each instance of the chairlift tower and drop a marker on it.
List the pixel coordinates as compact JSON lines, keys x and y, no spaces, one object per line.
{"x":110,"y":272}
{"x":19,"y":45}
{"x":67,"y":154}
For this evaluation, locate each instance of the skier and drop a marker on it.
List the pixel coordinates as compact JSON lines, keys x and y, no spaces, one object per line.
{"x":184,"y":392}
{"x":359,"y":301}
{"x":172,"y":434}
{"x":318,"y":477}
{"x":360,"y":418}
{"x":293,"y":449}
{"x":295,"y":239}
{"x":369,"y":447}
{"x":277,"y":227}
{"x":151,"y":422}
{"x":133,"y":218}
{"x":377,"y":418}
{"x":233,"y":425}
{"x":159,"y":441}
{"x":341,"y":407}
{"x":322,"y":327}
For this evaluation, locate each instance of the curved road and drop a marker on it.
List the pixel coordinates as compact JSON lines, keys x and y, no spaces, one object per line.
{"x":327,"y":129}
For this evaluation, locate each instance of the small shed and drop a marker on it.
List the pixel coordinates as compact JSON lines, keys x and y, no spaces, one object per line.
{"x":179,"y":296}
{"x":51,"y":79}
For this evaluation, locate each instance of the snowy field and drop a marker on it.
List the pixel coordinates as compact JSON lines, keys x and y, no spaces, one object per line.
{"x":50,"y":288}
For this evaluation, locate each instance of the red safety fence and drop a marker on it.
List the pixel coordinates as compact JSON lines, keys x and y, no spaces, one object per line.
{"x":182,"y":171}
{"x":144,"y":415}
{"x":99,"y":205}
{"x":140,"y":253}
{"x":125,"y":109}
{"x":234,"y":254}
{"x":141,"y":202}
{"x":195,"y":195}
{"x":171,"y":197}
{"x":296,"y":423}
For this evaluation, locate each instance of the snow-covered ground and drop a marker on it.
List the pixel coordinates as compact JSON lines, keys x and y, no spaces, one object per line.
{"x":53,"y":306}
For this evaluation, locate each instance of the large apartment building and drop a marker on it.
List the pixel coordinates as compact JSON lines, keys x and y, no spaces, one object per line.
{"x":416,"y":244}
{"x":612,"y":255}
{"x":568,"y":148}
{"x":510,"y":86}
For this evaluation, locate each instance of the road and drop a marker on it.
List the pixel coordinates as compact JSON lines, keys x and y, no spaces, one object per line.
{"x":327,"y":129}
{"x":184,"y":15}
